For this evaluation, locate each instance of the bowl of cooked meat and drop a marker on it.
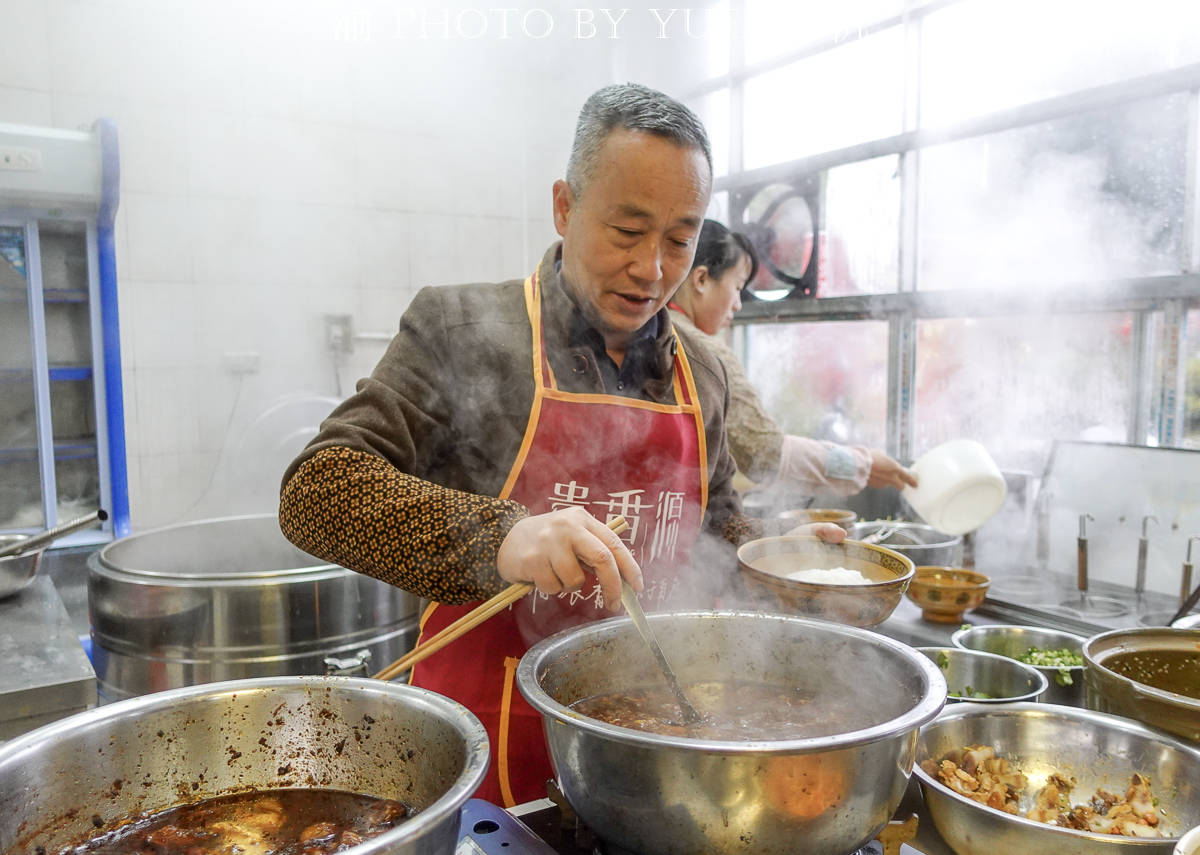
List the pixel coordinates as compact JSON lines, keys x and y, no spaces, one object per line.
{"x":854,"y":583}
{"x":1044,"y":779}
{"x":309,"y":765}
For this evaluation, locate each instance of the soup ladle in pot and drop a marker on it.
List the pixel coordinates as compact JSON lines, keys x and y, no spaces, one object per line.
{"x":630,"y":601}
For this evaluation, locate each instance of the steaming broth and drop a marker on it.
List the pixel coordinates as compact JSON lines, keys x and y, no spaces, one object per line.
{"x":264,"y":822}
{"x":730,"y":711}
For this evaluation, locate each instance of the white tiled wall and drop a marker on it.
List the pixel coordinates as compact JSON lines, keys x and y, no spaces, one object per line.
{"x":274,"y":171}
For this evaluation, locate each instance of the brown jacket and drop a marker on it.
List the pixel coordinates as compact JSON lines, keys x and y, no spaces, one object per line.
{"x":400,"y":481}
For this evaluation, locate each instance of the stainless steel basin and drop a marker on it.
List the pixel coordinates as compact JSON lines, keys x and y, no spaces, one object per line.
{"x":824,"y":794}
{"x":231,"y":598}
{"x":88,"y":773}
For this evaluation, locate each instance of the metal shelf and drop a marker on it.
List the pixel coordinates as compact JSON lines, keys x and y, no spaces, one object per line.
{"x":58,"y":226}
{"x":65,"y":449}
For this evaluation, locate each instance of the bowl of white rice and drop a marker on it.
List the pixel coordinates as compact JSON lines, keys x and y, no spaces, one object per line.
{"x":859,"y":584}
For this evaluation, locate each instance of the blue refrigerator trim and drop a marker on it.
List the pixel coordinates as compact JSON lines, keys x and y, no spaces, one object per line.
{"x":110,"y":175}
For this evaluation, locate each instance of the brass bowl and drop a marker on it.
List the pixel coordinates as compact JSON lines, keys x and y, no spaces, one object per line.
{"x":804,"y":516}
{"x":945,"y":594}
{"x":764,"y":564}
{"x":1107,"y":691}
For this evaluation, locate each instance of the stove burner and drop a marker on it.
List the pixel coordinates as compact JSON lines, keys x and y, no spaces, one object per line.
{"x":555,"y":829}
{"x":872,"y":848}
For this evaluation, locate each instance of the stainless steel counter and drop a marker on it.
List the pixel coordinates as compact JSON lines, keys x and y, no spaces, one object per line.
{"x":45,"y":675}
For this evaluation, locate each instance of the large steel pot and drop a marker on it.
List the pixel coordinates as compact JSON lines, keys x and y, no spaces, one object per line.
{"x":83,"y":775}
{"x":231,"y":598}
{"x":656,"y":794}
{"x":1108,"y":691}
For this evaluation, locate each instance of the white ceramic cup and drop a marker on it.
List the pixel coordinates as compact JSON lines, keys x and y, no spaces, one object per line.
{"x":959,"y":486}
{"x":1189,"y":844}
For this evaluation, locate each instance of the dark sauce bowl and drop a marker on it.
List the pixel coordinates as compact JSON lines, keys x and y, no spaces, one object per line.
{"x":1152,"y":701}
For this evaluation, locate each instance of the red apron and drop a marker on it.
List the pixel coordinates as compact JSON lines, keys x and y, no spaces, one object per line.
{"x":613,"y":456}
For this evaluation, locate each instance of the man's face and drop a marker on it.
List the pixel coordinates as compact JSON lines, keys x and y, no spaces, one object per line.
{"x":630,"y":236}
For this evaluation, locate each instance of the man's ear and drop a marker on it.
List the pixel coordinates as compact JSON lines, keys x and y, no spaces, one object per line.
{"x":564,"y":205}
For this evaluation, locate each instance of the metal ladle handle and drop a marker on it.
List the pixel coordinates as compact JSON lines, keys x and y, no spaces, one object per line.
{"x":1139,"y":584}
{"x":1082,"y":549}
{"x":39,"y":541}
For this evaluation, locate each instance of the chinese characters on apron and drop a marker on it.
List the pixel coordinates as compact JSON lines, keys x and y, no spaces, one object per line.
{"x":612,"y":456}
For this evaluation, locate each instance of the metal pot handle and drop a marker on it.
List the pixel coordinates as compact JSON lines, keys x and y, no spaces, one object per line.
{"x":351,"y":666}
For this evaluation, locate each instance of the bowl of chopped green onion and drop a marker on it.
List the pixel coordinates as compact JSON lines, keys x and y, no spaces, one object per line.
{"x":1056,"y":654}
{"x":985,"y":678}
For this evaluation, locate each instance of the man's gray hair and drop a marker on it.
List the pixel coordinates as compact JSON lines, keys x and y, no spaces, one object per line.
{"x":636,"y":108}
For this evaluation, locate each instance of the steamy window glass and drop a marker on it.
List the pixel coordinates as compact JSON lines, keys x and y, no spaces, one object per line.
{"x":823,"y":380}
{"x":843,"y":96}
{"x":774,"y":27}
{"x":1093,"y":196}
{"x":718,"y":206}
{"x":1191,"y":406}
{"x":981,"y":56}
{"x":713,"y":110}
{"x":1017,"y":383}
{"x":713,"y":27}
{"x":860,"y":244}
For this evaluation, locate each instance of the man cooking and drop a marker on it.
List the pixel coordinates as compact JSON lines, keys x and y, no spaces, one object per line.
{"x":507,"y":423}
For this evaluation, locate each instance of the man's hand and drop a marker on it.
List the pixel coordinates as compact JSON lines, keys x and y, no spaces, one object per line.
{"x":555,"y":551}
{"x":828,"y":532}
{"x":886,"y":472}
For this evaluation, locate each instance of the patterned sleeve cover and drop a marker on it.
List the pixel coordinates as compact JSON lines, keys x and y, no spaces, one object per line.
{"x":355,"y":509}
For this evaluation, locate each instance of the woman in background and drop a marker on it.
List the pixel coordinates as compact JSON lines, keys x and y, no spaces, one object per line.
{"x":725,"y":262}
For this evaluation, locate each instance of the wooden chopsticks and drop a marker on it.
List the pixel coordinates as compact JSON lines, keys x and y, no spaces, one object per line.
{"x":469,"y":621}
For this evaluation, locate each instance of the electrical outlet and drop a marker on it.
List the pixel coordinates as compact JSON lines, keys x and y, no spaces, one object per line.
{"x":339,"y":332}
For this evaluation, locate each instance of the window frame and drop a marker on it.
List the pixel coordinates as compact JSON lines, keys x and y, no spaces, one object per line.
{"x":1158,"y":361}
